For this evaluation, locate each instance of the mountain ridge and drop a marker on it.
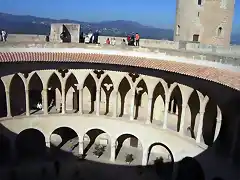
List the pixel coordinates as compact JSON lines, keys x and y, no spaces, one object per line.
{"x":27,"y":24}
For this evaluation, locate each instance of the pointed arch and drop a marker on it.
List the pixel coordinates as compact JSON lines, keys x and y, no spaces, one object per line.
{"x":123,"y":89}
{"x":106,"y":89}
{"x":209,"y":122}
{"x":158,"y":103}
{"x":141,"y":99}
{"x":89,"y":93}
{"x":175,"y":107}
{"x":192,"y":114}
{"x":35,"y":87}
{"x":71,"y":93}
{"x":54,"y":93}
{"x":17,"y":96}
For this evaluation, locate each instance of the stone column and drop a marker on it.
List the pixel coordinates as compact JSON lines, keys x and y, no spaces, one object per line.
{"x":45,"y":101}
{"x":8,"y":103}
{"x":200,"y":127}
{"x":217,"y":128}
{"x":184,"y":107}
{"x":145,"y":157}
{"x":172,"y":104}
{"x":80,"y":101}
{"x":63,"y":101}
{"x":115,"y":102}
{"x":149,"y":110}
{"x":80,"y":147}
{"x":132,"y":106}
{"x":27,"y":102}
{"x":165,"y":121}
{"x":98,"y":102}
{"x":113,"y":152}
{"x":48,"y":145}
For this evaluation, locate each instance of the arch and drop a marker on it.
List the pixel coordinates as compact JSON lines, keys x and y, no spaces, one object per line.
{"x":192,"y":116}
{"x":178,"y":30}
{"x":209,"y":122}
{"x":123,"y":88}
{"x":219,"y":31}
{"x":99,"y":138}
{"x":89,"y":93}
{"x":158,"y":103}
{"x":3,"y":104}
{"x":72,"y":93}
{"x":175,"y":108}
{"x":62,"y":140}
{"x":129,"y":144}
{"x":165,"y":162}
{"x":199,"y":2}
{"x":5,"y":150}
{"x":106,"y":87}
{"x":54,"y":98}
{"x":30,"y":144}
{"x":17,"y":96}
{"x":141,"y":99}
{"x":35,"y":87}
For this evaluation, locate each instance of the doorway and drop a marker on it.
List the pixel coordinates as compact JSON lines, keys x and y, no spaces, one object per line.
{"x":196,"y":37}
{"x":66,"y":36}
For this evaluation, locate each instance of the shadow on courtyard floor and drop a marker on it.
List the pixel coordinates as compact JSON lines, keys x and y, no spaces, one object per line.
{"x":36,"y":161}
{"x":31,"y":160}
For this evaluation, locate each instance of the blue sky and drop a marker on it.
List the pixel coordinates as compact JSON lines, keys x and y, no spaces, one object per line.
{"x":158,"y":13}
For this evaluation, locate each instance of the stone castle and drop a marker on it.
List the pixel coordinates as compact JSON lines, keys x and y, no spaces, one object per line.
{"x":164,"y":99}
{"x":204,"y":21}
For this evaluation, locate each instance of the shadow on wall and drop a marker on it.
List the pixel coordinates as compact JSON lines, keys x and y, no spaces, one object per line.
{"x":31,"y":158}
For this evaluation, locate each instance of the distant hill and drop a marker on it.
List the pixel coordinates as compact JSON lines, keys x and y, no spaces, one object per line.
{"x":21,"y":24}
{"x":24,"y":24}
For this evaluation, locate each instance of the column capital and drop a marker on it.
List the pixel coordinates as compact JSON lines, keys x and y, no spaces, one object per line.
{"x":201,"y":112}
{"x":184,"y":106}
{"x":113,"y":145}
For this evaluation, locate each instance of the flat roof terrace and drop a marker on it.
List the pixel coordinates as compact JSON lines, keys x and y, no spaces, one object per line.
{"x":152,"y":58}
{"x":181,"y":55}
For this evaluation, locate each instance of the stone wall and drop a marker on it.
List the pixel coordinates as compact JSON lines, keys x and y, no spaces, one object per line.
{"x":171,"y":47}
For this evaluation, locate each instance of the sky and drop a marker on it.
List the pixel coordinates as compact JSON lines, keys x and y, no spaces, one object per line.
{"x":157,"y":13}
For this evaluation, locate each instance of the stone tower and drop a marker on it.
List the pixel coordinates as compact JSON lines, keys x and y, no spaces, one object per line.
{"x":205,"y":21}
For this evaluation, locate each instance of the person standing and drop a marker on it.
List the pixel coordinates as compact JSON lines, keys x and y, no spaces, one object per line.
{"x":137,"y":37}
{"x":4,"y":34}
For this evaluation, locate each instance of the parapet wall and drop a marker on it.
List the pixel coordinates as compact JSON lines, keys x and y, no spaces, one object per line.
{"x":232,"y":51}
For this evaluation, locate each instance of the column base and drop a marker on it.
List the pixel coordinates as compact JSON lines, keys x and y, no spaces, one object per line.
{"x":9,"y":116}
{"x":148,"y":122}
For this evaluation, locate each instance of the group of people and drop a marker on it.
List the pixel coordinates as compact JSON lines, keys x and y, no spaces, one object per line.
{"x":91,"y":37}
{"x":132,"y":40}
{"x":3,"y":35}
